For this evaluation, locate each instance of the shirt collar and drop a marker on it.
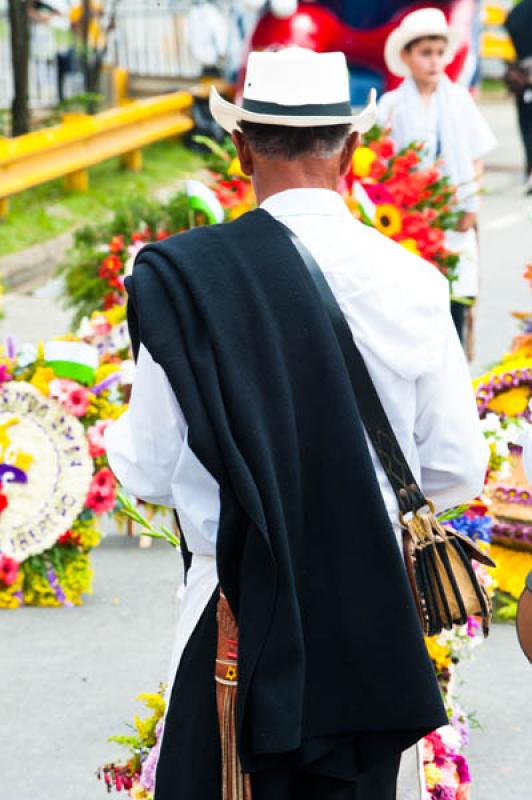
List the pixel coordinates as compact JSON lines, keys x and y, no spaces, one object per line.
{"x":302,"y":202}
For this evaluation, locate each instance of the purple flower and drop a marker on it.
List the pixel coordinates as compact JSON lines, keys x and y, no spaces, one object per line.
{"x":147,"y":775}
{"x":443,"y":793}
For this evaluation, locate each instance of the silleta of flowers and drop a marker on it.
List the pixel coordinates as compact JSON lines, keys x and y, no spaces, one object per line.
{"x":504,"y":401}
{"x":409,"y":203}
{"x":55,"y":403}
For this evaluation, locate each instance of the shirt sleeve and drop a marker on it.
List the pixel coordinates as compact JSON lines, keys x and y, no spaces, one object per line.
{"x":452,"y":450}
{"x":144,"y":444}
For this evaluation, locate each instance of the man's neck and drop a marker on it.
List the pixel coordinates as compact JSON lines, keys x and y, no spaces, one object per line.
{"x":284,"y":175}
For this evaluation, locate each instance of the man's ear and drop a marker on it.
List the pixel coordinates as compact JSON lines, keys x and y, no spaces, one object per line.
{"x":244,"y":152}
{"x":351,"y":143}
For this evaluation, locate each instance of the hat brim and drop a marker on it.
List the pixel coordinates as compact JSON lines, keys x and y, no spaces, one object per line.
{"x":398,"y":40}
{"x":228,"y":115}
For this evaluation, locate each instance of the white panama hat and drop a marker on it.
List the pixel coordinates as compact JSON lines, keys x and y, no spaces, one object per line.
{"x":294,"y":87}
{"x":417,"y":25}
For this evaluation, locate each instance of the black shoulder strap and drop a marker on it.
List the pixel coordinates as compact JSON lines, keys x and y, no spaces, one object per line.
{"x":409,"y":495}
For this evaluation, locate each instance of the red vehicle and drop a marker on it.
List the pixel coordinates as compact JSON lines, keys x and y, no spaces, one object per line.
{"x":359,"y":28}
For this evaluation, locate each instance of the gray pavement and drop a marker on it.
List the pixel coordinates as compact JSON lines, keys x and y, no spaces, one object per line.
{"x":68,"y":678}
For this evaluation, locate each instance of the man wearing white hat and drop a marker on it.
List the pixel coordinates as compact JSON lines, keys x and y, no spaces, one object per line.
{"x":243,"y":418}
{"x":430,"y":108}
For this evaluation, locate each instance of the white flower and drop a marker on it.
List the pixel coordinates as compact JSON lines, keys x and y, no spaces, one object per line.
{"x":490,"y":424}
{"x":26,"y":355}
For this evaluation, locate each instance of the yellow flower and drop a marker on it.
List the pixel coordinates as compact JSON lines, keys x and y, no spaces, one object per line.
{"x":388,"y":219}
{"x":512,"y":568}
{"x":113,"y":315}
{"x":363,"y":158}
{"x":438,"y":653}
{"x":41,"y":379}
{"x":352,"y":204}
{"x":238,"y":210}
{"x":235,"y":169}
{"x":104,"y":370}
{"x":432,"y":775}
{"x":512,"y":402}
{"x":138,"y":792}
{"x":410,"y":244}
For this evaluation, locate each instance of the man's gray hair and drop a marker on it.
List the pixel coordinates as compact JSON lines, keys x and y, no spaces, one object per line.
{"x":289,"y":143}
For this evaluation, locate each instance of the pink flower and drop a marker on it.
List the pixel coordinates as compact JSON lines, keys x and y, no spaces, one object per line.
{"x":99,"y":502}
{"x":71,"y":395}
{"x":77,"y":401}
{"x":4,"y":374}
{"x":96,"y":440}
{"x":100,"y":325}
{"x":103,"y":481}
{"x":8,"y":570}
{"x":101,"y":495}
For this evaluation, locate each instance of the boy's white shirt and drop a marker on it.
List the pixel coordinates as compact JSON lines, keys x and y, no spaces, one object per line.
{"x":452,"y":117}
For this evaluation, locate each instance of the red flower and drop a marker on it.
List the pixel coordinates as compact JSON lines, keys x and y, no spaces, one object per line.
{"x":8,"y":570}
{"x":111,"y":299}
{"x":385,"y":148}
{"x":377,"y":169}
{"x":161,"y":234}
{"x":116,"y":282}
{"x":4,"y":502}
{"x":69,"y":538}
{"x":404,"y":163}
{"x":111,"y":265}
{"x":117,"y":244}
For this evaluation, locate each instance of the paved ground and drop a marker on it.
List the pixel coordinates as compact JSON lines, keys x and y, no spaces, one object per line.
{"x":68,"y":678}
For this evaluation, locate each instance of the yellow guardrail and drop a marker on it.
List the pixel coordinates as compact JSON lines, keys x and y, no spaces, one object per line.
{"x":81,"y":141}
{"x":494,"y":41}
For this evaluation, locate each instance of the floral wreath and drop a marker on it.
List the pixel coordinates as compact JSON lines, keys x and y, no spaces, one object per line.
{"x":56,"y":401}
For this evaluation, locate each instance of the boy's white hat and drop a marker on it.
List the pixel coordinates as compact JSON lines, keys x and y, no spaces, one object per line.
{"x":294,"y":87}
{"x":417,"y":25}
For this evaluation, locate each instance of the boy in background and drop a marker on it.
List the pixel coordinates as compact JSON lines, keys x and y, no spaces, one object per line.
{"x":430,"y":108}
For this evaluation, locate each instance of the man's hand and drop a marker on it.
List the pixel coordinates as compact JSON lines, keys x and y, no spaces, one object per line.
{"x":467,"y":221}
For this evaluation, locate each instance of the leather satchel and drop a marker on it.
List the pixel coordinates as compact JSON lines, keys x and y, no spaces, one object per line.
{"x":439,"y":560}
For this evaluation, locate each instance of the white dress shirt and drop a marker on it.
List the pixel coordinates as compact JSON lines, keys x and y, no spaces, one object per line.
{"x":397,"y":307}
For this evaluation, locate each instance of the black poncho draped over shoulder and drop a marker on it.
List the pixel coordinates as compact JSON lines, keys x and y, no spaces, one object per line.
{"x":332,"y":662}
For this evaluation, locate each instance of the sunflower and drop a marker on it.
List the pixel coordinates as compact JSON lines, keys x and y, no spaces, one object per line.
{"x":388,"y":219}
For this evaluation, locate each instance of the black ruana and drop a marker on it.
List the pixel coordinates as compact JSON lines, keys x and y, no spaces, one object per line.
{"x":332,"y":662}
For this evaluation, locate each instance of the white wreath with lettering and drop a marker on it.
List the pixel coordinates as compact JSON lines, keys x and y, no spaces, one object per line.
{"x":45,"y":470}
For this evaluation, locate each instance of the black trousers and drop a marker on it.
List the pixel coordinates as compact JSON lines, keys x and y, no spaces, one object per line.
{"x":524,"y":114}
{"x":284,"y":784}
{"x":189,"y":765}
{"x":458,"y":312}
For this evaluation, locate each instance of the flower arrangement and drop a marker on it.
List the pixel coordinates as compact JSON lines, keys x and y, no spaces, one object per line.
{"x":414,"y":206}
{"x":93,"y":273}
{"x":137,"y":775}
{"x":57,"y":400}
